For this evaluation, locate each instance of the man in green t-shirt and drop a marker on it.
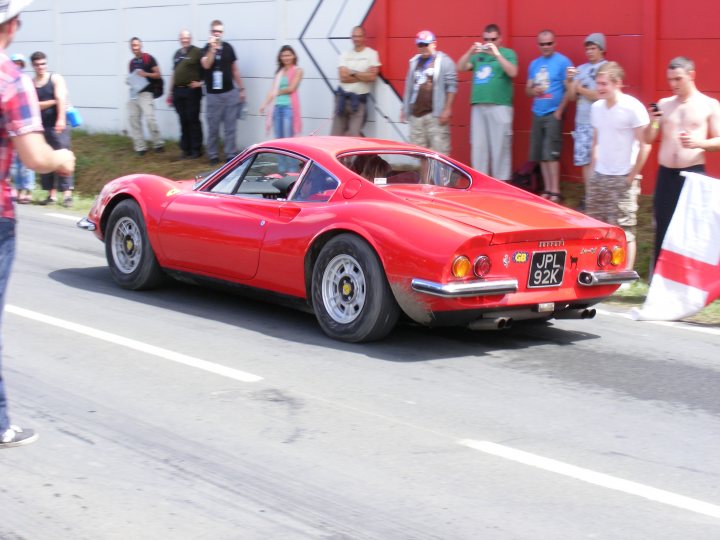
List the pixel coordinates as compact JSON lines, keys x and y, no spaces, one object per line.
{"x":493,"y":68}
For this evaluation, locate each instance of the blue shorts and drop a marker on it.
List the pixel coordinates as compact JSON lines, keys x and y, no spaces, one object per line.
{"x":583,"y":136}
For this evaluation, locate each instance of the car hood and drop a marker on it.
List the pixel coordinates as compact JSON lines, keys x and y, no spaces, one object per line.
{"x":510,"y":215}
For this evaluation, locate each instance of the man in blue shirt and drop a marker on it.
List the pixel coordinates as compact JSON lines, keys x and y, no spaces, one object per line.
{"x":546,"y":85}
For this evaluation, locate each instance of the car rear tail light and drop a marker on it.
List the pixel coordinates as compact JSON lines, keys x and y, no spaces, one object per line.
{"x":482,"y":266}
{"x":461,"y":266}
{"x":604,"y":257}
{"x":618,"y":256}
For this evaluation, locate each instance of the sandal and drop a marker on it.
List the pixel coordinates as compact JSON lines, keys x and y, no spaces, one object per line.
{"x":554,"y":197}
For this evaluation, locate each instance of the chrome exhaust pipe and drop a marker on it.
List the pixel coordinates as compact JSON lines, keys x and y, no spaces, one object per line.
{"x":586,"y":313}
{"x":499,"y":323}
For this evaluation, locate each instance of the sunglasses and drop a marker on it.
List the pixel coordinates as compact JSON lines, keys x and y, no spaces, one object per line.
{"x":546,"y":43}
{"x":490,"y":39}
{"x":422,"y":45}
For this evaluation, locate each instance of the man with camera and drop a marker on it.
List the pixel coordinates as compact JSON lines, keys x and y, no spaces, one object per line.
{"x":222,"y":96}
{"x":491,"y":116}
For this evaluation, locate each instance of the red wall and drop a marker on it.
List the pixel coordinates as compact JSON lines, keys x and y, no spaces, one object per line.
{"x":642,"y":38}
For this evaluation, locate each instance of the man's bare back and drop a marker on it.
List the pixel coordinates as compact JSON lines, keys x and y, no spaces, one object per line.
{"x":690,"y":119}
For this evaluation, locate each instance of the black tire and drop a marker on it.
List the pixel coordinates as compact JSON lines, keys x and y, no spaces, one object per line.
{"x":350,"y":292}
{"x":129,"y":254}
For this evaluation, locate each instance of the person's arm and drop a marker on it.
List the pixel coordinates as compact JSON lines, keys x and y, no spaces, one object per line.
{"x":268,"y":99}
{"x":653,"y":128}
{"x":531,"y":90}
{"x":60,"y":102}
{"x":572,"y":84}
{"x":171,"y":85}
{"x":510,"y":69}
{"x":561,"y":108}
{"x":464,"y":63}
{"x":208,"y":58}
{"x":38,"y":155}
{"x":643,"y":153}
{"x":447,"y":110}
{"x":238,"y":81}
{"x":712,"y":144}
{"x":450,"y":81}
{"x":154,"y":72}
{"x":587,"y":93}
{"x":293,"y":85}
{"x":367,"y":76}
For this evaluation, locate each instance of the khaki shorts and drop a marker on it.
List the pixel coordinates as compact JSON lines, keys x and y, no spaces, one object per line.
{"x":612,"y":200}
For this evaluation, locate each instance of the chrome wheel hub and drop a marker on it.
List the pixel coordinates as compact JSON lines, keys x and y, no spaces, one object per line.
{"x":126,"y":245}
{"x":343,"y":289}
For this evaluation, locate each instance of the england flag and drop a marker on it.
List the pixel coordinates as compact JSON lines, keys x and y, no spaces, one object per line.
{"x":687,"y":273}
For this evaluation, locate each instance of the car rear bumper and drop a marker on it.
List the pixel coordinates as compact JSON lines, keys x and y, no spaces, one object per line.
{"x":479,"y":287}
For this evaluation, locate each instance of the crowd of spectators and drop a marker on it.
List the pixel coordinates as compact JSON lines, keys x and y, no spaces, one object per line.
{"x":612,"y":130}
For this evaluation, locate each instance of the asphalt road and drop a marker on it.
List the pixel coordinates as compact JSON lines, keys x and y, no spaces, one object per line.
{"x":187,"y":413}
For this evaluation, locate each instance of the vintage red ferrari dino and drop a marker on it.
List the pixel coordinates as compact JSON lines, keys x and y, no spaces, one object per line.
{"x":361,"y":232}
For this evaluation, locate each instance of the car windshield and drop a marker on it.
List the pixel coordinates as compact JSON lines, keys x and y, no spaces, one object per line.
{"x":384,"y":168}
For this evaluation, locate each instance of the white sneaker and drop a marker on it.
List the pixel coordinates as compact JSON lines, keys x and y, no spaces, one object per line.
{"x":17,"y":436}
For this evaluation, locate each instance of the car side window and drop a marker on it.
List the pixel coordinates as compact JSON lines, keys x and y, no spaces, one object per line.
{"x":317,"y":185}
{"x":230,"y":179}
{"x":268,"y":175}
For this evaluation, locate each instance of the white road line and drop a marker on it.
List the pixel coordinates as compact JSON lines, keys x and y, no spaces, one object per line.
{"x":592,"y":477}
{"x":173,"y":356}
{"x":680,"y":325}
{"x":63,"y":216}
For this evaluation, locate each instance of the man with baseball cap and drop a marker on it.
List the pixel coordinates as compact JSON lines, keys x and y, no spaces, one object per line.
{"x":580,"y":85}
{"x":21,"y":130}
{"x":430,"y":88}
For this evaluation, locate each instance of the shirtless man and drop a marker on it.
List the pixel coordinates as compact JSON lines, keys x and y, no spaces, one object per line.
{"x":690,"y":123}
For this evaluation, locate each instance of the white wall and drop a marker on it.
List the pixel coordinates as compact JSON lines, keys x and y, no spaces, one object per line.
{"x":87,"y":41}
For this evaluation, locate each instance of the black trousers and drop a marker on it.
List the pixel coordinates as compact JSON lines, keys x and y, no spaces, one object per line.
{"x":187,"y":104}
{"x":667,"y":193}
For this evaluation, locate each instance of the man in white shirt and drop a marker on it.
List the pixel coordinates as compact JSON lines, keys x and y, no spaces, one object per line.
{"x":618,"y":154}
{"x":358,"y":69}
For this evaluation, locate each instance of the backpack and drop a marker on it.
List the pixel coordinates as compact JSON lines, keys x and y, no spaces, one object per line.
{"x":529,"y":177}
{"x":157,"y":86}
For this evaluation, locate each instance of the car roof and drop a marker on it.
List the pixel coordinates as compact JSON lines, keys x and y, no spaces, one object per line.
{"x":318,"y":148}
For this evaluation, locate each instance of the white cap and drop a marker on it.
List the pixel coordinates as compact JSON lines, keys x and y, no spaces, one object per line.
{"x":11,"y":8}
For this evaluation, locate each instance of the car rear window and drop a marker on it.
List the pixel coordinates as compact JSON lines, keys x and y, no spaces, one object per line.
{"x":405,"y":168}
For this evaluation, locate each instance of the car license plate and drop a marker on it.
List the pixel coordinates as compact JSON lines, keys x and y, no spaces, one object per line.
{"x":546,"y":269}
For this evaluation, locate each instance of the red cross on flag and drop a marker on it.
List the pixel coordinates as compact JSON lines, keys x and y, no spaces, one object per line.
{"x":687,"y":273}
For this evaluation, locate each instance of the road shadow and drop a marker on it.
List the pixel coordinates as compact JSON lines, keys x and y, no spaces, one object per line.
{"x":409,"y":342}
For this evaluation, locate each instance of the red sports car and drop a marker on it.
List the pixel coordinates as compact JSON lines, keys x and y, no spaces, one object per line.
{"x":362,"y":231}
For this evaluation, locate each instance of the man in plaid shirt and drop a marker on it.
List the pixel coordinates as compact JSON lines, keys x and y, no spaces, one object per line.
{"x":20,"y":129}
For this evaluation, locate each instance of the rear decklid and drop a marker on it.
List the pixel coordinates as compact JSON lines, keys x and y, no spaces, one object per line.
{"x":510,"y":215}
